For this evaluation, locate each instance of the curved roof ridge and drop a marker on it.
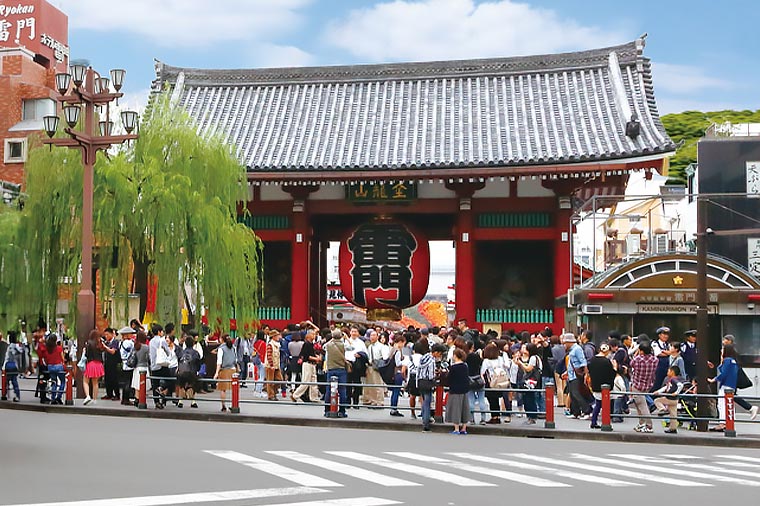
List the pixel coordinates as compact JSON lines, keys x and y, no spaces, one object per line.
{"x":628,"y":53}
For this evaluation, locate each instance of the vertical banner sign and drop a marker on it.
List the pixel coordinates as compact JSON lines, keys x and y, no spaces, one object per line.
{"x":384,"y":264}
{"x":753,"y":256}
{"x":753,"y":179}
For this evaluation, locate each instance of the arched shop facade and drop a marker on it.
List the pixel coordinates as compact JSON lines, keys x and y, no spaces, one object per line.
{"x":660,"y":290}
{"x":489,"y":154}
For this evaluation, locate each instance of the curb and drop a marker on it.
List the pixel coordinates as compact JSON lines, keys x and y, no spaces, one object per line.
{"x":535,"y":433}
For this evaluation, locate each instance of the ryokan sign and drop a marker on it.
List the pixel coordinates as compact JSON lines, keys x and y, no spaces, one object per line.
{"x":37,"y":26}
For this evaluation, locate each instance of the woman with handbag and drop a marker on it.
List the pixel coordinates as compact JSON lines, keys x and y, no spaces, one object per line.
{"x":94,"y":369}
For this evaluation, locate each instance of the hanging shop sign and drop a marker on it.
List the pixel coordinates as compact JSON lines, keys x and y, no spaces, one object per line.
{"x":384,"y":266}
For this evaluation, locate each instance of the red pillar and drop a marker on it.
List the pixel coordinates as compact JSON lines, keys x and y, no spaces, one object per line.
{"x":562,"y":265}
{"x":300,"y":240}
{"x":465,"y":268}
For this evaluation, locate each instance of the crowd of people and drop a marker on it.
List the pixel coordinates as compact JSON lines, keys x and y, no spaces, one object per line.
{"x":490,"y":378}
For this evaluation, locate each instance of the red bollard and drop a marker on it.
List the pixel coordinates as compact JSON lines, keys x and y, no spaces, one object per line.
{"x":69,"y":386}
{"x":606,"y":422}
{"x":142,"y":402}
{"x":438,"y":404}
{"x":235,"y":408}
{"x":4,"y":396}
{"x":730,"y":413}
{"x":549,"y":397}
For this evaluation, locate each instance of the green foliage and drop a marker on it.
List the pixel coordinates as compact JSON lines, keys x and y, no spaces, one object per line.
{"x":168,"y":202}
{"x":688,"y":127}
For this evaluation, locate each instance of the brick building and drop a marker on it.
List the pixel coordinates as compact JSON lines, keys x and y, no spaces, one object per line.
{"x":33,"y":47}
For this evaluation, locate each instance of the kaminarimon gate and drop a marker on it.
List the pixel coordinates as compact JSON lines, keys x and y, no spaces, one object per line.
{"x":491,"y":154}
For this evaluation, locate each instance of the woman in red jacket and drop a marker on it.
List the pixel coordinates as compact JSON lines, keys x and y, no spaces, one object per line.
{"x":54,"y":359}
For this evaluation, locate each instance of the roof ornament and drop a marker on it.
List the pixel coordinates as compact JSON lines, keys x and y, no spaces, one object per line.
{"x":633,"y":127}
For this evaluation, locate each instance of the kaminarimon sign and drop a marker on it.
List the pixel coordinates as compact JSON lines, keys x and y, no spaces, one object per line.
{"x":384,"y":264}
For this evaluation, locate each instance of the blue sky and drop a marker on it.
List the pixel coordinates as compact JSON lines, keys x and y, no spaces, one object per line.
{"x":704,"y":52}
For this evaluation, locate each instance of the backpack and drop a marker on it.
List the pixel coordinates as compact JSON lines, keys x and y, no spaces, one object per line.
{"x":185,"y":364}
{"x":131,"y":360}
{"x":499,"y":378}
{"x":14,"y":355}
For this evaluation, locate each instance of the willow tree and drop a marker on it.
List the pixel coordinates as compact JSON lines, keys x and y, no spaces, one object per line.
{"x":164,"y":209}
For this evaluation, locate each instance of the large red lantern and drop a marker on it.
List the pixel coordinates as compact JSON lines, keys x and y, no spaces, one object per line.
{"x":384,"y":267}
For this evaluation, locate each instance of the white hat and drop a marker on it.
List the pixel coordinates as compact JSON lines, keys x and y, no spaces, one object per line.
{"x":127,"y":330}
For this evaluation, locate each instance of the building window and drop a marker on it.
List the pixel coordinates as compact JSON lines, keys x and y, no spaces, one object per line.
{"x":37,"y":108}
{"x":15,"y":151}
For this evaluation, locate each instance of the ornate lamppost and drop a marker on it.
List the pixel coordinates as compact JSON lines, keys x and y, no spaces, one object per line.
{"x":89,"y":91}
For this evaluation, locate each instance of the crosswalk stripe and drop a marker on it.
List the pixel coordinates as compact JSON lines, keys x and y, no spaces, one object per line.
{"x":665,"y":470}
{"x":497,"y":473}
{"x":678,"y":456}
{"x":608,"y":470}
{"x":599,"y":480}
{"x":353,"y":501}
{"x":740,"y":457}
{"x":202,"y":497}
{"x":737,"y":464}
{"x":690,"y":465}
{"x":416,"y":470}
{"x":339,"y":467}
{"x":286,"y":473}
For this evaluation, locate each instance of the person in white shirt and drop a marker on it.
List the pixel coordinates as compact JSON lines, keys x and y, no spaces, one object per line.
{"x":376,"y":351}
{"x":354,"y":346}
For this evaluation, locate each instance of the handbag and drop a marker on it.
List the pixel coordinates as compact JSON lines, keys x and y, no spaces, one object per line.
{"x":742,"y":380}
{"x":162,"y":359}
{"x":425,"y":385}
{"x":82,"y":364}
{"x":476,"y":383}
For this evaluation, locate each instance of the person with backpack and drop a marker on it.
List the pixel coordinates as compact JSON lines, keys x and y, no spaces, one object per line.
{"x":128,"y":363}
{"x":399,"y":371}
{"x":602,"y":372}
{"x":496,"y":377}
{"x":188,"y":365}
{"x":12,"y":363}
{"x":477,"y":391}
{"x":141,"y":362}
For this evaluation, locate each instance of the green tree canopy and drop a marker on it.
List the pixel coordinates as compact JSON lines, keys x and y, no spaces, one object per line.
{"x":690,"y":126}
{"x":164,"y":207}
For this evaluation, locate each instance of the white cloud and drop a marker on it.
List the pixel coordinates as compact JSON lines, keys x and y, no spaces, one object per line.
{"x":685,"y":79}
{"x":274,"y":55}
{"x":180,"y":23}
{"x":446,"y":29}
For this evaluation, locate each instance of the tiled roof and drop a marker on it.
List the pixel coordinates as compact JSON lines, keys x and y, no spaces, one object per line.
{"x":536,"y":110}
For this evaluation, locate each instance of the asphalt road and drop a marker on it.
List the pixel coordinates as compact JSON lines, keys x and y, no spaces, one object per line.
{"x":108,"y":461}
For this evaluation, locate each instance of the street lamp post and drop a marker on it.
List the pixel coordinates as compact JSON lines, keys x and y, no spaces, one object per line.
{"x":89,"y":91}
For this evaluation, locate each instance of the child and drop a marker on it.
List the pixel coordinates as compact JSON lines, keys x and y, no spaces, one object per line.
{"x":671,"y":387}
{"x":457,"y":406}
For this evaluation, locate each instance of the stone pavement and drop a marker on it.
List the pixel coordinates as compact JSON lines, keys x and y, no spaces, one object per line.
{"x":283,"y":412}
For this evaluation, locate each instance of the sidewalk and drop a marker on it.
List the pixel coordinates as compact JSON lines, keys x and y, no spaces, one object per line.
{"x":283,"y":412}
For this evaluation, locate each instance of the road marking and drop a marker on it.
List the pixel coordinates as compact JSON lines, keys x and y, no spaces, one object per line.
{"x":599,"y":480}
{"x":690,"y":465}
{"x":415,"y":470}
{"x":354,"y":501}
{"x":354,"y":472}
{"x":497,"y":473}
{"x":160,"y":500}
{"x":682,"y":457}
{"x":737,"y":464}
{"x":740,"y":457}
{"x":665,"y":470}
{"x":612,"y":470}
{"x":286,"y":473}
